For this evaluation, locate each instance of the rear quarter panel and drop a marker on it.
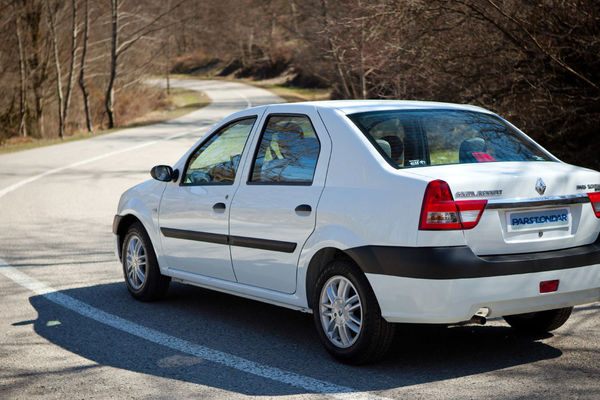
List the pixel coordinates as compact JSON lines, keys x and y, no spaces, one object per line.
{"x":364,"y":195}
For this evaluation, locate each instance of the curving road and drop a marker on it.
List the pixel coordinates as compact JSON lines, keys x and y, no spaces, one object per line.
{"x":69,"y":329}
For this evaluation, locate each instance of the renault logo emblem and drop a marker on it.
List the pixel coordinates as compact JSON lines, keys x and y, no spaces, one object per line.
{"x":540,"y":186}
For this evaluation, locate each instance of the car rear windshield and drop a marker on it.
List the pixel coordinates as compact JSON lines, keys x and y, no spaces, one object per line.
{"x":417,"y":138}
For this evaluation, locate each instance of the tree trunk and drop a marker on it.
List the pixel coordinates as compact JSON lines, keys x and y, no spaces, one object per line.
{"x":110,"y":91}
{"x":84,"y":92}
{"x":294,"y":16}
{"x":361,"y":76}
{"x":168,"y":68}
{"x":39,"y":108}
{"x":37,"y":63}
{"x":334,"y":52}
{"x":72,"y":65}
{"x":119,"y":48}
{"x":22,"y":88}
{"x":168,"y":57}
{"x":59,"y":93}
{"x":250,"y":47}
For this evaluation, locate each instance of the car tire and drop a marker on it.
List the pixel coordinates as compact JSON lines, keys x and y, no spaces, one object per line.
{"x":140,"y":267}
{"x":347,"y":316}
{"x":541,"y":321}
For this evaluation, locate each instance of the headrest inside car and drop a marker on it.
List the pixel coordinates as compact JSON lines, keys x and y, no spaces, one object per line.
{"x":470,"y":146}
{"x":385,"y":146}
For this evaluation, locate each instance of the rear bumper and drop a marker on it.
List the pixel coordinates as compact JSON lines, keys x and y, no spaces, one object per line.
{"x":449,"y":284}
{"x":450,"y":301}
{"x":459,"y":262}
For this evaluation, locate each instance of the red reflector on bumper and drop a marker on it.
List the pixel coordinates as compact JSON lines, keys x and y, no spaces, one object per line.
{"x":549,"y":286}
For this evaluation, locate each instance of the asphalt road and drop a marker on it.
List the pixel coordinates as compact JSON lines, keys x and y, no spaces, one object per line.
{"x":69,"y":329}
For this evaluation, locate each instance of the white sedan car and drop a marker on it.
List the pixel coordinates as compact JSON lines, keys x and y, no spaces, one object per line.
{"x":367,"y":214}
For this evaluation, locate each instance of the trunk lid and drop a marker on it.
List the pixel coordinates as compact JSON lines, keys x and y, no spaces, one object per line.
{"x":518,"y":217}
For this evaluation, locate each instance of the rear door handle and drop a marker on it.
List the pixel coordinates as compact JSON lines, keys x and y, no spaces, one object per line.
{"x":303,"y":209}
{"x":219,"y":207}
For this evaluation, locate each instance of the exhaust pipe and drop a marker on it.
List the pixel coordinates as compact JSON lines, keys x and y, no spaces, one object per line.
{"x":478,"y":319}
{"x":480,"y":316}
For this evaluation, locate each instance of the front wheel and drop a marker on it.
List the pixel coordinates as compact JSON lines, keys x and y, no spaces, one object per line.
{"x":347,"y":316}
{"x":541,"y":321}
{"x":140,"y":267}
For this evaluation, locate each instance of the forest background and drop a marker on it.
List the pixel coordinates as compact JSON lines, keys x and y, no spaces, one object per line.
{"x":78,"y":65}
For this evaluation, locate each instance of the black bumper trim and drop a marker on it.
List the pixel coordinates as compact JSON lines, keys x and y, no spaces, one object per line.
{"x":460,"y":262}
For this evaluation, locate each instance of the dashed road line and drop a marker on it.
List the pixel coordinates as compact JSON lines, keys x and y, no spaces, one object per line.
{"x":181,"y":345}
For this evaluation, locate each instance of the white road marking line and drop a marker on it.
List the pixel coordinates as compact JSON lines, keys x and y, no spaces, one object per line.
{"x":180,"y":345}
{"x":34,"y":178}
{"x":243,"y":96}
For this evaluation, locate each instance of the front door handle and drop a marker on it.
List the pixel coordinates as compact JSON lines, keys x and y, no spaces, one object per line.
{"x":303,"y":209}
{"x":219,"y":207}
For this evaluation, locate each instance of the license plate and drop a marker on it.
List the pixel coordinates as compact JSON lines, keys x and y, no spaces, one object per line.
{"x":536,"y":220}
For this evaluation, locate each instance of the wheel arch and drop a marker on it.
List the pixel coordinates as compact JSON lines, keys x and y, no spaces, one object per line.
{"x":124,"y":223}
{"x":318,"y":262}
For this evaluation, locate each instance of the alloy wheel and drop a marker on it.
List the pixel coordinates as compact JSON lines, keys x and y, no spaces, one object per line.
{"x":135,"y":262}
{"x":340,"y":311}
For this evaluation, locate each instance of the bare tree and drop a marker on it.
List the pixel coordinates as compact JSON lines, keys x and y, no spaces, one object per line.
{"x":84,"y":92}
{"x":109,"y":99}
{"x":22,"y":87}
{"x":119,"y":46}
{"x":38,"y":59}
{"x":59,"y":92}
{"x":71,"y":60}
{"x":336,"y":53}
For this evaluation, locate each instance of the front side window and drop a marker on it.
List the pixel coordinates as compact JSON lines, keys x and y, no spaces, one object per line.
{"x":217,"y":160}
{"x":287,"y":152}
{"x":438,"y":137}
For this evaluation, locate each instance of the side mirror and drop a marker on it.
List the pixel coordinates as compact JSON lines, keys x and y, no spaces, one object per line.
{"x":164,"y":173}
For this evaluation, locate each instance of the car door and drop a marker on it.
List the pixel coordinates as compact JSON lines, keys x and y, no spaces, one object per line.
{"x":194,"y":214}
{"x":274,"y":210}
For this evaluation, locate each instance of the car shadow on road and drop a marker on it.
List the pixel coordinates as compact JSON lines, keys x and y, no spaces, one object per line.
{"x":271,"y":336}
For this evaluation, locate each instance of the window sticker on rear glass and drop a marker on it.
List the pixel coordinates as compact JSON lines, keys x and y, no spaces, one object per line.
{"x":538,"y":219}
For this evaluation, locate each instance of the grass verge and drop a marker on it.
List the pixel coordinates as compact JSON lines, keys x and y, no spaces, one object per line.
{"x":180,"y":102}
{"x":290,"y":94}
{"x":293,"y":94}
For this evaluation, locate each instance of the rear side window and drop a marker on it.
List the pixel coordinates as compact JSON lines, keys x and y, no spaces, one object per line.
{"x":287,"y":153}
{"x":439,"y":137}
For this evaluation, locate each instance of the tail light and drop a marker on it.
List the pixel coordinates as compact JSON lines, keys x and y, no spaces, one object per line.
{"x":441,"y":212}
{"x":595,"y":199}
{"x":470,"y":212}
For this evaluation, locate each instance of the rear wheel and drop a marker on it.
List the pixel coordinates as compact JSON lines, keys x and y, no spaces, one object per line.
{"x":347,"y":316}
{"x":541,"y":321}
{"x":140,"y":267}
